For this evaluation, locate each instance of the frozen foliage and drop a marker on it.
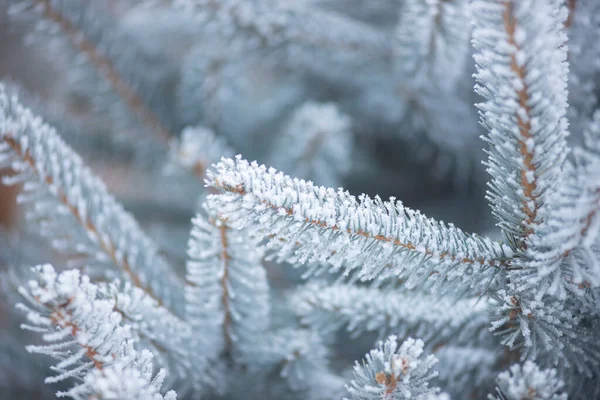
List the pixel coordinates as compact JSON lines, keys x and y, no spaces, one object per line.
{"x":392,"y":372}
{"x":522,"y":72}
{"x":86,"y":334}
{"x":74,"y":207}
{"x":158,"y":329}
{"x":566,"y":247}
{"x":228,"y":294}
{"x":119,"y":381}
{"x":201,"y":294}
{"x":529,"y":382}
{"x":325,"y":225}
{"x":524,"y":80}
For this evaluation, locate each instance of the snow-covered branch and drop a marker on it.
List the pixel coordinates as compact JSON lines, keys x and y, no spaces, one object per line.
{"x":86,"y":335}
{"x":395,"y":372}
{"x":529,"y":382}
{"x":227,"y":292}
{"x":74,"y":207}
{"x":368,"y":235}
{"x":522,"y":73}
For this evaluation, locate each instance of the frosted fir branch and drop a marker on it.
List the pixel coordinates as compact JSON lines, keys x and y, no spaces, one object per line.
{"x":316,"y":144}
{"x":82,"y":331}
{"x":271,"y":24}
{"x":395,"y":373}
{"x":227,"y":293}
{"x":522,"y":73}
{"x":529,"y":382}
{"x":74,"y":207}
{"x":120,"y":381}
{"x":432,"y":42}
{"x":563,"y":262}
{"x":328,"y":307}
{"x":203,"y":291}
{"x":157,"y":328}
{"x":196,"y":149}
{"x":562,"y":255}
{"x":547,"y":328}
{"x":368,"y":235}
{"x":108,"y":51}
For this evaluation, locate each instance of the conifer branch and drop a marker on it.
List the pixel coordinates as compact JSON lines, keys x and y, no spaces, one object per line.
{"x":529,"y":382}
{"x":166,"y":334}
{"x":393,"y":372}
{"x":528,"y":185}
{"x":106,"y":247}
{"x":227,"y":293}
{"x":339,"y":229}
{"x":217,"y":330}
{"x":67,"y":308}
{"x":546,"y":327}
{"x":120,"y":381}
{"x":524,"y":82}
{"x":561,"y":254}
{"x":33,"y":149}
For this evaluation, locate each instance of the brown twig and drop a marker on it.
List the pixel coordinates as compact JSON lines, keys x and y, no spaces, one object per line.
{"x":225,"y":296}
{"x":58,"y":318}
{"x":524,"y":124}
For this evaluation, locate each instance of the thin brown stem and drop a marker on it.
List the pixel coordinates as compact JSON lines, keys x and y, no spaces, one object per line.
{"x":58,"y":316}
{"x":224,"y":285}
{"x":530,"y":204}
{"x":571,"y":4}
